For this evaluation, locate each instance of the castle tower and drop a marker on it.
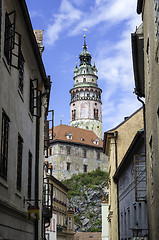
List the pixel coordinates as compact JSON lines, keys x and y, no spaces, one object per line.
{"x":85,"y":105}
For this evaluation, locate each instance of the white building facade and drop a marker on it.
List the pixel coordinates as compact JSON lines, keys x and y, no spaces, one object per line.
{"x":23,"y":103}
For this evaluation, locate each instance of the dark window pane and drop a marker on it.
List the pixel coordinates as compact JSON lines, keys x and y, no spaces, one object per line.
{"x":4,"y":146}
{"x":19,"y":163}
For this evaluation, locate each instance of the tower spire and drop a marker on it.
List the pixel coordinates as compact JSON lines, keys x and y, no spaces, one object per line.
{"x":85,"y":45}
{"x":85,"y":105}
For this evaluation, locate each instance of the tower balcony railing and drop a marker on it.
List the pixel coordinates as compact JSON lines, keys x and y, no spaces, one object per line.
{"x":90,"y":84}
{"x":86,"y":98}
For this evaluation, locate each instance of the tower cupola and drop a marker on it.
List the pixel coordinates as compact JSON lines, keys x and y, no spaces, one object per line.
{"x":85,"y":56}
{"x":85,"y":105}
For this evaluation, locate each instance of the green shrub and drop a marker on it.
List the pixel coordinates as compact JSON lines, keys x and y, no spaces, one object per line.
{"x":98,"y":222}
{"x":93,"y":204}
{"x":93,"y":229}
{"x":77,"y":220}
{"x":90,"y":214}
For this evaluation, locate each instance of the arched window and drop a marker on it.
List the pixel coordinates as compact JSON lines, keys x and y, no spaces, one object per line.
{"x":96,"y":114}
{"x":73,"y":114}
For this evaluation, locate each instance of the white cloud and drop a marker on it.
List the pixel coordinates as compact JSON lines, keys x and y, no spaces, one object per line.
{"x":113,"y":59}
{"x":35,"y":14}
{"x":72,"y":20}
{"x":62,"y":21}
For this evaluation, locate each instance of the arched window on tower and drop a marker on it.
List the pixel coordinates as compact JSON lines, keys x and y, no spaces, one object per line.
{"x":96,"y":114}
{"x":73,"y":114}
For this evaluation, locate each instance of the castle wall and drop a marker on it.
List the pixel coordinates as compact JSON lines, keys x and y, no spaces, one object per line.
{"x":80,"y":158}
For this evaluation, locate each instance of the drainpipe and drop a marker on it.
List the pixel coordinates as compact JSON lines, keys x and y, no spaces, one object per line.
{"x":116,"y":162}
{"x":37,"y":172}
{"x":143,"y":104}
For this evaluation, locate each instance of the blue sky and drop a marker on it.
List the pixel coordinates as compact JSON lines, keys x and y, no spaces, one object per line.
{"x":109,"y":26}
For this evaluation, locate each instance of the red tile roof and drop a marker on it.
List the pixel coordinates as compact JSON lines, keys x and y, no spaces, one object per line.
{"x":79,"y":135}
{"x":88,"y":235}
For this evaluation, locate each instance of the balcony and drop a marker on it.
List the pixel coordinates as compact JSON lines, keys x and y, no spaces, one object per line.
{"x":47,"y":201}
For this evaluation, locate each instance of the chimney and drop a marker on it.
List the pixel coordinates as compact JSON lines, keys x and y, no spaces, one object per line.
{"x":39,"y":39}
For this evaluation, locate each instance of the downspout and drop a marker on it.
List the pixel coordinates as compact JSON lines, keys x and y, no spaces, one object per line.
{"x":37,"y":173}
{"x":116,"y":162}
{"x":143,"y":104}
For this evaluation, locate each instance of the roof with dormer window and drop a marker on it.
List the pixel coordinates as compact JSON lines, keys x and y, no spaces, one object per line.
{"x":79,"y":136}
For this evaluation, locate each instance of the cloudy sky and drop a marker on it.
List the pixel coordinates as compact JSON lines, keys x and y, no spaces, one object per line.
{"x":109,"y":25}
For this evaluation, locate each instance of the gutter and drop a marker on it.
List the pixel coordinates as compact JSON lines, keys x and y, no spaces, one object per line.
{"x":37,"y":173}
{"x":116,"y":162}
{"x":139,"y":6}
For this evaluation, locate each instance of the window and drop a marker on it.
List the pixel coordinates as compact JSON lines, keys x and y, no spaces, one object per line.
{"x":50,"y":151}
{"x":68,"y":150}
{"x":9,"y":36}
{"x":69,"y":136}
{"x":76,"y":151}
{"x":19,"y":163}
{"x":135,"y":214}
{"x":157,"y":17}
{"x":125,"y":225}
{"x":151,"y":166}
{"x":21,"y":71}
{"x":4,"y":145}
{"x":70,"y":223}
{"x":61,"y":149}
{"x":73,"y":114}
{"x":29,"y":173}
{"x":96,"y":114}
{"x":121,"y":225}
{"x":85,"y":168}
{"x":84,"y":153}
{"x":129,"y":219}
{"x":35,"y":98}
{"x":98,"y":155}
{"x":68,"y":166}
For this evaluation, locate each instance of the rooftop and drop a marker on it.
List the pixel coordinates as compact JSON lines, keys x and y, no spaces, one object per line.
{"x":70,"y":134}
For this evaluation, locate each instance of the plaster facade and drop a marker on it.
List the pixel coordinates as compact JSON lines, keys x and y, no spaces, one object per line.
{"x":104,"y":206}
{"x":62,"y":222}
{"x":18,"y":125}
{"x":150,"y":15}
{"x":131,"y":180}
{"x":116,"y":143}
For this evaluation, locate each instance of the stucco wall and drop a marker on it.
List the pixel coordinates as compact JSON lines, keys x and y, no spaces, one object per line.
{"x":151,"y":54}
{"x":59,"y":160}
{"x":126,"y":132}
{"x":16,"y":106}
{"x":132,"y":214}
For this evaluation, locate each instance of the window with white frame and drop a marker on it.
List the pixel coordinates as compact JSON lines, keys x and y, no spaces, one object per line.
{"x":70,"y":223}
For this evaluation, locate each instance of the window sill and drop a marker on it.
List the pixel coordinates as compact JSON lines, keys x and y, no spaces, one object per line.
{"x":6,"y":64}
{"x":18,"y":194}
{"x":31,"y":117}
{"x":3,"y":183}
{"x":21,"y":95}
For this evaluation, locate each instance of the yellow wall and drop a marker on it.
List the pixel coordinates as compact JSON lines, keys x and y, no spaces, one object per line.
{"x":126,"y":132}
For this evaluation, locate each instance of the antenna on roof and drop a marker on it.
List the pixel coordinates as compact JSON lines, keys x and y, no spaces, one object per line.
{"x":61,"y":120}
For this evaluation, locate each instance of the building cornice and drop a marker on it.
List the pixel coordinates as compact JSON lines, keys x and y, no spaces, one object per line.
{"x":75,"y":143}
